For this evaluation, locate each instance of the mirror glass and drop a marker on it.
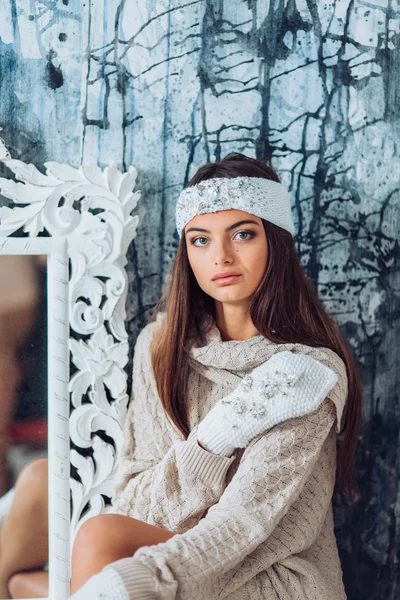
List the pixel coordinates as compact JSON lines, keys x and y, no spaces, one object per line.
{"x":23,"y":426}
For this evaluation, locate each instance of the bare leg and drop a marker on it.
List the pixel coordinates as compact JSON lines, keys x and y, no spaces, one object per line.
{"x":107,"y":538}
{"x":31,"y":584}
{"x":14,"y":327}
{"x":24,"y":535}
{"x":10,"y":375}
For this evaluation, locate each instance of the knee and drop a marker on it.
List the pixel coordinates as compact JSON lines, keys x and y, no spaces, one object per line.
{"x":91,"y":536}
{"x":34,"y":477}
{"x":34,"y":472}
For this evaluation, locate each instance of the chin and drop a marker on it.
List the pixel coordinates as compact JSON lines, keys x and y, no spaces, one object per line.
{"x":227,"y":294}
{"x":231,"y":297}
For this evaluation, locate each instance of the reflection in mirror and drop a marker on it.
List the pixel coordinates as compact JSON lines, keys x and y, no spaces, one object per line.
{"x":23,"y":427}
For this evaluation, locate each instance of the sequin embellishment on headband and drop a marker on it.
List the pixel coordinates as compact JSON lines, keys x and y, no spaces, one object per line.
{"x":214,"y":194}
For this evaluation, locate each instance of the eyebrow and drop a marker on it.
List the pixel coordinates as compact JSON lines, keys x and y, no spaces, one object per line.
{"x":227,"y":229}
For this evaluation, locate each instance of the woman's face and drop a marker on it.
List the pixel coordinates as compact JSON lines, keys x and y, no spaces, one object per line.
{"x":223,"y":242}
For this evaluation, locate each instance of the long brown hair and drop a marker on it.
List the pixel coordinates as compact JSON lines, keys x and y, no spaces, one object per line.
{"x":285,"y":308}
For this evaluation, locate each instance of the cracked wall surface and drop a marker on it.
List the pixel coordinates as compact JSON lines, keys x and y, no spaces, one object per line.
{"x":314,"y":87}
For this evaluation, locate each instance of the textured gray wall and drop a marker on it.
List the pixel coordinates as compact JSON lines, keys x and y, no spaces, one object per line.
{"x":315,"y":86}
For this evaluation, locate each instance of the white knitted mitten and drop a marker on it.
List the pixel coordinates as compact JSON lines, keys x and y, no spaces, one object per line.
{"x":285,"y":386}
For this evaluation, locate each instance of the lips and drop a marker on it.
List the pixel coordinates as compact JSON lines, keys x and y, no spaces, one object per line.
{"x":227,"y":280}
{"x":224,"y":276}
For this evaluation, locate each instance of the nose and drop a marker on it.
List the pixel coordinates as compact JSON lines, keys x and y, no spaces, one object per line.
{"x":222,"y":252}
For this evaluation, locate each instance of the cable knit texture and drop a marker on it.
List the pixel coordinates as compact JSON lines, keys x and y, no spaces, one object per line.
{"x":256,"y":525}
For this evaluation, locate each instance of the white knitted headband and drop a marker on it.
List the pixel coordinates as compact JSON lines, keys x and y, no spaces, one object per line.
{"x":259,"y":196}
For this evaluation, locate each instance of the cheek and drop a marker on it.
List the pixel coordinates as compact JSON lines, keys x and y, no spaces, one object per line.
{"x":257,"y":264}
{"x":258,"y":257}
{"x":197,"y":265}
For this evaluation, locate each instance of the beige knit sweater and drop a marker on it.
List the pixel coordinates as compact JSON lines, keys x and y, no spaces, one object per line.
{"x":256,"y":525}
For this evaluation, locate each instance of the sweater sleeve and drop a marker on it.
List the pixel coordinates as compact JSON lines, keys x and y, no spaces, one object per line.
{"x":204,"y":561}
{"x":153,"y":485}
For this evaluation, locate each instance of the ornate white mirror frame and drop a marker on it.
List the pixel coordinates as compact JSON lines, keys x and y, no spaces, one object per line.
{"x":81,"y":218}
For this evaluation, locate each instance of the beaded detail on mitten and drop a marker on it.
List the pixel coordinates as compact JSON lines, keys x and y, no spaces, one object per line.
{"x":267,"y":388}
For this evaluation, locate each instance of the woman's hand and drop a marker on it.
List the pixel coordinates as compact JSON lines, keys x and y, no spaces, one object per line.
{"x":287,"y":385}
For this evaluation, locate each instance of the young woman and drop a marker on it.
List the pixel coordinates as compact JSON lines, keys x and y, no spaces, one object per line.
{"x":242,"y":383}
{"x":242,"y":386}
